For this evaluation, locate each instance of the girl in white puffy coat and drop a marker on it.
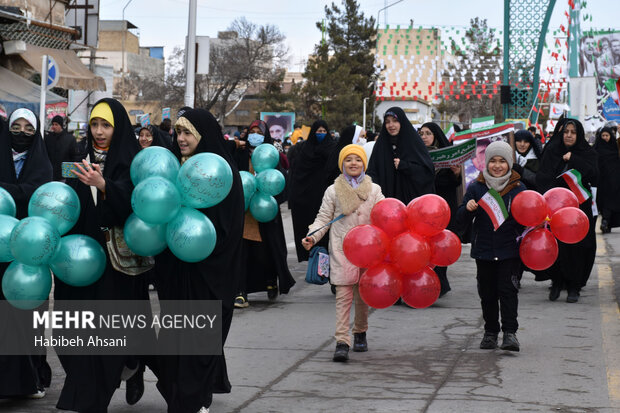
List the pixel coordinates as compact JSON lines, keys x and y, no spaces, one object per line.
{"x":352,"y":194}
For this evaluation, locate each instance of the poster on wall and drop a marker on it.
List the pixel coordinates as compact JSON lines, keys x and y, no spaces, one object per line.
{"x":484,"y":137}
{"x":599,"y":57}
{"x":279,"y":124}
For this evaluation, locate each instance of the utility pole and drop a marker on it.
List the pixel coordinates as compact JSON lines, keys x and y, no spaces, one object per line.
{"x":123,"y":53}
{"x":190,"y":55}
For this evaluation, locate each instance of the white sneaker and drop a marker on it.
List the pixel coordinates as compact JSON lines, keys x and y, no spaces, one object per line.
{"x":203,"y":410}
{"x":38,"y":395}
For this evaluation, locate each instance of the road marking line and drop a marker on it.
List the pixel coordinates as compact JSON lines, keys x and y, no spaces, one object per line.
{"x":610,"y":325}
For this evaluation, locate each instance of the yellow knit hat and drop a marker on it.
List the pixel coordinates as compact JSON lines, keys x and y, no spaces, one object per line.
{"x":103,"y":111}
{"x":352,"y":149}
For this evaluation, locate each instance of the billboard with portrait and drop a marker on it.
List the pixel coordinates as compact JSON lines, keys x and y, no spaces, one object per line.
{"x":279,"y":124}
{"x":599,"y":57}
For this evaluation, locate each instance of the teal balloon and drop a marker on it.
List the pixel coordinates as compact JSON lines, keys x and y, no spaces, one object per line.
{"x":249,"y":186}
{"x":34,"y":241}
{"x":155,"y":200}
{"x":270,"y":182}
{"x":204,"y":180}
{"x":144,"y":239}
{"x":190,"y":235}
{"x":263,"y":207}
{"x":7,"y":203}
{"x":58,"y":203}
{"x":7,"y":224}
{"x":79,"y":260}
{"x":154,"y":161}
{"x":25,"y":286}
{"x":265,"y":156}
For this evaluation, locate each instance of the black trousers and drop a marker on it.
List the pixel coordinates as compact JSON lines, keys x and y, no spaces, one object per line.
{"x":497,"y":288}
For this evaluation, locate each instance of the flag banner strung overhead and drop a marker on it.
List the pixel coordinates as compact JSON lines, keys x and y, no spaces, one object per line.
{"x":494,"y":206}
{"x":455,"y":155}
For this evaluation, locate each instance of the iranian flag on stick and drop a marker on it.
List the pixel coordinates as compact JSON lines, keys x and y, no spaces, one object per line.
{"x":494,"y":206}
{"x":573,"y":179}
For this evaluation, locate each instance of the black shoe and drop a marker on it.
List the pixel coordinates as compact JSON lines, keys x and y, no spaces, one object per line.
{"x":134,"y":388}
{"x":573,"y":296}
{"x":342,"y":352}
{"x":605,"y":226}
{"x":272,"y":292}
{"x":489,"y":341}
{"x":444,"y":291}
{"x":555,"y":292}
{"x":359,"y":342}
{"x":510,"y":342}
{"x":241,"y":301}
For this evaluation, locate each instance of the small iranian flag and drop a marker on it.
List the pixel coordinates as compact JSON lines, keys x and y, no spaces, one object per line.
{"x":573,"y":179}
{"x":451,"y":133}
{"x":494,"y":206}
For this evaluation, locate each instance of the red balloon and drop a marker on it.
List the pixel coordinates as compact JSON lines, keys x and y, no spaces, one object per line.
{"x":570,"y":225}
{"x":428,"y":215}
{"x":421,"y":289}
{"x":410,"y":252}
{"x":558,"y":198}
{"x":381,"y":285}
{"x":445,"y":248}
{"x":538,"y":249}
{"x":365,"y":246}
{"x":389,"y":214}
{"x":529,"y":208}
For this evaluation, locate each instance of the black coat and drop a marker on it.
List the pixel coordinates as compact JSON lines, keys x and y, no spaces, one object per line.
{"x":310,"y":174}
{"x":20,"y":373}
{"x":575,"y":261}
{"x":415,"y":175}
{"x":608,"y":194}
{"x":488,"y":244}
{"x":188,"y":382}
{"x":61,"y":147}
{"x":91,"y":380}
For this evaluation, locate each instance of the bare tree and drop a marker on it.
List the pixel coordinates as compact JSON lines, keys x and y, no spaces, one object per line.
{"x":246,"y":54}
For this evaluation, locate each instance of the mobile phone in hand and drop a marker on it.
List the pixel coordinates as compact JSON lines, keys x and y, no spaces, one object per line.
{"x":68,"y":168}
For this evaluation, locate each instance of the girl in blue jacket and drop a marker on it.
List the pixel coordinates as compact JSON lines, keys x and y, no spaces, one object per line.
{"x":495,"y":250}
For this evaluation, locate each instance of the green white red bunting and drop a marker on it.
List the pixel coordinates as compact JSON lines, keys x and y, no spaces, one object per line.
{"x":573,"y":180}
{"x":494,"y":206}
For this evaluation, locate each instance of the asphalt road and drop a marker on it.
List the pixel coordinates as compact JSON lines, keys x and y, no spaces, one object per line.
{"x":279,"y":353}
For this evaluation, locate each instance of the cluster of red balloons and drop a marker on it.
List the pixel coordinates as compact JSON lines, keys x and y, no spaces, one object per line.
{"x":559,"y":207}
{"x":400,"y":249}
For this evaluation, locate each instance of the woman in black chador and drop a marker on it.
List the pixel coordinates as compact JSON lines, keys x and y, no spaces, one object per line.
{"x":188,"y":382}
{"x":104,"y":191}
{"x":310,"y":174}
{"x":447,"y":181}
{"x":400,"y":162}
{"x":24,"y":166}
{"x":569,"y":150}
{"x":608,"y":194}
{"x":264,"y":265}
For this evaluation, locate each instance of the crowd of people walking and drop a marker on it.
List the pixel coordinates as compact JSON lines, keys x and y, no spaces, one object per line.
{"x":325,"y":178}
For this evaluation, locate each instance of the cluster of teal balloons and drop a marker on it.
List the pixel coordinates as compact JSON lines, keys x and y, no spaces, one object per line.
{"x":36,"y":245}
{"x":259,"y":190}
{"x":165,"y":200}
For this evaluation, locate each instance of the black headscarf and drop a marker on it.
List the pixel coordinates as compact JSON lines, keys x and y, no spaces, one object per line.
{"x":535,"y":145}
{"x":607,"y":151}
{"x":440,"y":138}
{"x":36,"y":171}
{"x":415,"y":175}
{"x":242,"y":155}
{"x":583,"y":158}
{"x":156,"y":133}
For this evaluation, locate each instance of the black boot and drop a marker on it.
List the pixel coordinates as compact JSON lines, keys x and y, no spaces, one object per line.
{"x":555,"y":291}
{"x":342,"y":352}
{"x":510,"y":342}
{"x":573,"y":296}
{"x":135,"y":387}
{"x":359,"y":342}
{"x":605,"y":226}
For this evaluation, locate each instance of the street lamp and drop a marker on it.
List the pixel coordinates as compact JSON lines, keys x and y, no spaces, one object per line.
{"x":364,"y":116}
{"x":123,"y":53}
{"x":385,"y":8}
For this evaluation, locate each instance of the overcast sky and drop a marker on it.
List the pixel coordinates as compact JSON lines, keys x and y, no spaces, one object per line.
{"x":164,"y":22}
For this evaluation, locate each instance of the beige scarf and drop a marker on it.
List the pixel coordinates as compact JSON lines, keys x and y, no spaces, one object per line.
{"x":350,"y":199}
